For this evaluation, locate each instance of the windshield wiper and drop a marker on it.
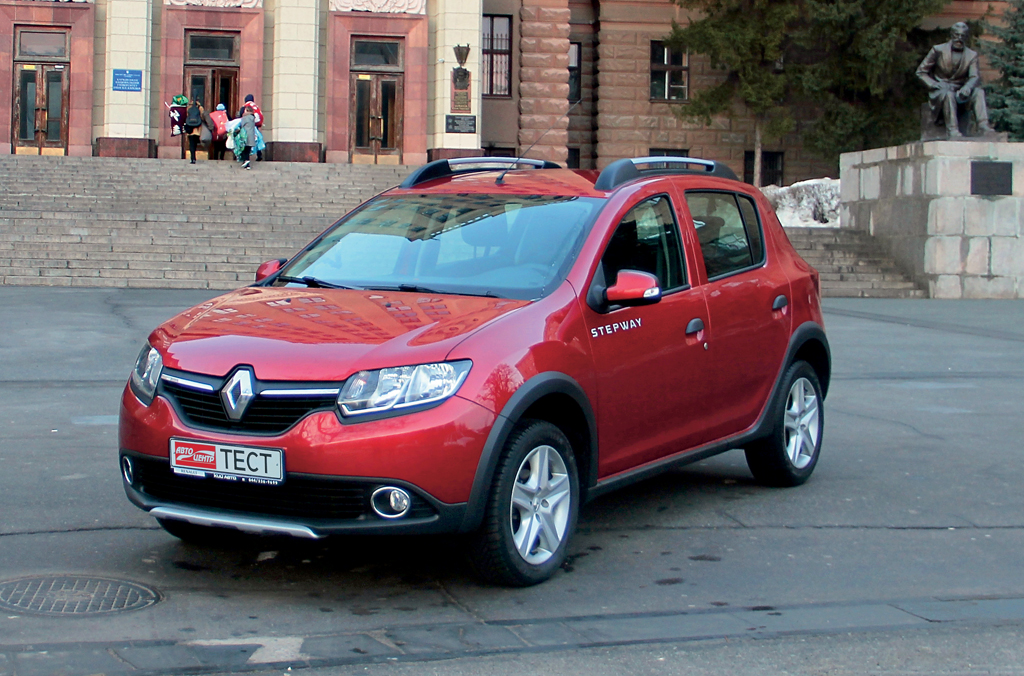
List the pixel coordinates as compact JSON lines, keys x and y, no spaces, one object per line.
{"x":416,"y":288}
{"x":315,"y":283}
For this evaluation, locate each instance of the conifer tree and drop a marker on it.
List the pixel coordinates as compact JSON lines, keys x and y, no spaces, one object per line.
{"x":852,"y":61}
{"x":858,"y":61}
{"x":1006,"y":97}
{"x":748,"y":40}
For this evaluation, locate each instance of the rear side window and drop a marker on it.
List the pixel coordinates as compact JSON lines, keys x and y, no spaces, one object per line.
{"x":728,"y":229}
{"x":647,"y":240}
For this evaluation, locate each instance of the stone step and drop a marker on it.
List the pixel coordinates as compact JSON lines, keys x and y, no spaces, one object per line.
{"x":168,"y":224}
{"x":852,"y":264}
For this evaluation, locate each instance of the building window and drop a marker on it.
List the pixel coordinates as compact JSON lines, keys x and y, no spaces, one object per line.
{"x":497,"y":55}
{"x":573,"y":161}
{"x":374,"y":54}
{"x":500,"y":152}
{"x":203,"y":47}
{"x":771,"y":167}
{"x":575,"y":83}
{"x":42,"y":45}
{"x":666,"y":152}
{"x":670,"y":73}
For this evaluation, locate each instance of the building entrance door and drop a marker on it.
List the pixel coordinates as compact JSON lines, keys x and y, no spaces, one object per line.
{"x":41,"y":94}
{"x":211,"y":86}
{"x":376,"y":118}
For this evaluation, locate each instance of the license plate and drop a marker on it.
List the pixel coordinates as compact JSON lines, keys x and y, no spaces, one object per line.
{"x":250,"y":464}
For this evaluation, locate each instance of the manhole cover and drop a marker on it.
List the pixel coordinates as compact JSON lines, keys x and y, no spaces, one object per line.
{"x":66,"y":595}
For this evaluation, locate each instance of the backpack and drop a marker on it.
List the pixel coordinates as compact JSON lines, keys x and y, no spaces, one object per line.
{"x":194,"y":118}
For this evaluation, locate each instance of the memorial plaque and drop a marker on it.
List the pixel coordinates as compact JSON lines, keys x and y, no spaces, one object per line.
{"x":461,"y":91}
{"x":991,"y":178}
{"x":460,"y":124}
{"x":460,"y":101}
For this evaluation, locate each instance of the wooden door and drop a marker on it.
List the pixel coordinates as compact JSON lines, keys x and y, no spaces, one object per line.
{"x":211,"y":86}
{"x":376,"y":118}
{"x":41,"y":93}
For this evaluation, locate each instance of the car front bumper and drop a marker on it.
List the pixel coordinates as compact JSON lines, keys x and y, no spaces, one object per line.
{"x":331,"y":469}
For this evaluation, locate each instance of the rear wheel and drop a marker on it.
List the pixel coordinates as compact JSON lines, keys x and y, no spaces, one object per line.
{"x":532,"y":510}
{"x":787,"y":456}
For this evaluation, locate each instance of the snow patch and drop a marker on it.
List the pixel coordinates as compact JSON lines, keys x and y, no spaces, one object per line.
{"x":807,"y":204}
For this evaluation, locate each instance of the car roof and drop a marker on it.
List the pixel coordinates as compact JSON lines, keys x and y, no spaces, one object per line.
{"x":576,"y":182}
{"x":482,"y":176}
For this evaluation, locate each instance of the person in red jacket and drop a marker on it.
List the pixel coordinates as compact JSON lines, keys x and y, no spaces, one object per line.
{"x":250,"y":101}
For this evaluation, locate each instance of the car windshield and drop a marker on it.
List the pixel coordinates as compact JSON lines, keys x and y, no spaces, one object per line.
{"x":509,"y":246}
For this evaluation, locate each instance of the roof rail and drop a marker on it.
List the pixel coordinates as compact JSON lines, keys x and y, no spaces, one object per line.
{"x":623,"y":171}
{"x":466,"y":165}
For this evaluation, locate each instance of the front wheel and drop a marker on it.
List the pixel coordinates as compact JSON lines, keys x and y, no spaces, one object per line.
{"x":532,"y":509}
{"x":788,"y":455}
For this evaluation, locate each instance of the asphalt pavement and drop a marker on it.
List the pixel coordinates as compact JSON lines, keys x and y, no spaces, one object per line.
{"x":901,"y":555}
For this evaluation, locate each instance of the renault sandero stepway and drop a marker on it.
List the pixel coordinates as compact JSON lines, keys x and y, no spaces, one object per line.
{"x":481,"y":350}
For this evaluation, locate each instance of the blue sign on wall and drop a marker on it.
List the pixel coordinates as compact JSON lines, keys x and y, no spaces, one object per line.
{"x":127,"y":80}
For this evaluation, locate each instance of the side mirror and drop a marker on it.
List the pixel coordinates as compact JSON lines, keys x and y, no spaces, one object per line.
{"x":634,"y":288}
{"x":269,"y":268}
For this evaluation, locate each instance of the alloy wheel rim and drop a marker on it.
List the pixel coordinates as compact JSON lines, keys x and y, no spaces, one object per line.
{"x":802,"y":423}
{"x":541,"y":500}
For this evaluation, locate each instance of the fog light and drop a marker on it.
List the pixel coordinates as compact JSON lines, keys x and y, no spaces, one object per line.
{"x":390,"y":503}
{"x":127,"y":470}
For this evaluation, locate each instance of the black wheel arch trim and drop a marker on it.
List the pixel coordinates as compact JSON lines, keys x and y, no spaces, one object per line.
{"x":530,"y":392}
{"x":804,"y":334}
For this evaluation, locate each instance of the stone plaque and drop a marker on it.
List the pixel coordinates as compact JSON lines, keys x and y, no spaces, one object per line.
{"x":460,"y":124}
{"x":991,"y":178}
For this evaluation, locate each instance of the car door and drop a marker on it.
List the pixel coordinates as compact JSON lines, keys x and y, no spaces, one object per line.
{"x":649,"y":368}
{"x":747,"y":297}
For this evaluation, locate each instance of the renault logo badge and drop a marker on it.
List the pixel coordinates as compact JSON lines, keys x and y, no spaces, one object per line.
{"x":237,"y":394}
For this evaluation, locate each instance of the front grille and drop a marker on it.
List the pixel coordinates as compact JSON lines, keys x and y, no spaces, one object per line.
{"x":298,"y":497}
{"x":265,"y":415}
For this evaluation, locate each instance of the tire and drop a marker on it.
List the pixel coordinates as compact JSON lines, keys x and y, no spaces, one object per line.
{"x":532,"y":508}
{"x":788,"y":455}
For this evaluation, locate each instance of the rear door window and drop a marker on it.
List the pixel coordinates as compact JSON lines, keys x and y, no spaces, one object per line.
{"x":728,"y":230}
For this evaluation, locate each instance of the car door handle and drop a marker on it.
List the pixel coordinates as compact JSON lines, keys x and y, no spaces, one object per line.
{"x":696,"y":325}
{"x":780,"y":302}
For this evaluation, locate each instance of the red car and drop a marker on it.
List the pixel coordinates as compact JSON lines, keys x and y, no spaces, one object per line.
{"x":482,"y":350}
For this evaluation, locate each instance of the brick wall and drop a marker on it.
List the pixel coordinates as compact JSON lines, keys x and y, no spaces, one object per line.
{"x":629,"y":123}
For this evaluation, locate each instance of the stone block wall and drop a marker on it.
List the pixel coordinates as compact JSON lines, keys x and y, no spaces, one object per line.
{"x":918,"y":200}
{"x":544,"y":79}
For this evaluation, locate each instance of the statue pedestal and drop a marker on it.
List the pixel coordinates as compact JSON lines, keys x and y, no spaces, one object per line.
{"x":949,"y":212}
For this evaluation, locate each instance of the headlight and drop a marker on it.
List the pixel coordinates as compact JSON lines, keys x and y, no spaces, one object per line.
{"x":146,"y":374}
{"x":401,"y":387}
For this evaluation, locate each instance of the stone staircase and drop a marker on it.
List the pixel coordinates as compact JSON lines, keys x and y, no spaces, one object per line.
{"x":67,"y":221}
{"x":852,"y":264}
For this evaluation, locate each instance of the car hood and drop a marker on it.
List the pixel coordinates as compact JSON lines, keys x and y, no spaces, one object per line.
{"x":321,"y":334}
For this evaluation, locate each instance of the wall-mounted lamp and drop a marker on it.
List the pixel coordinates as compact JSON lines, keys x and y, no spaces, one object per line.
{"x":461,"y":54}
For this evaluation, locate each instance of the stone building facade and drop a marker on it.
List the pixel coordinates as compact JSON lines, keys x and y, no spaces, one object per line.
{"x":579,"y":82}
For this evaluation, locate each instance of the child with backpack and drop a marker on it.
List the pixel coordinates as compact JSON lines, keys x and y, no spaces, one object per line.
{"x":193,"y":127}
